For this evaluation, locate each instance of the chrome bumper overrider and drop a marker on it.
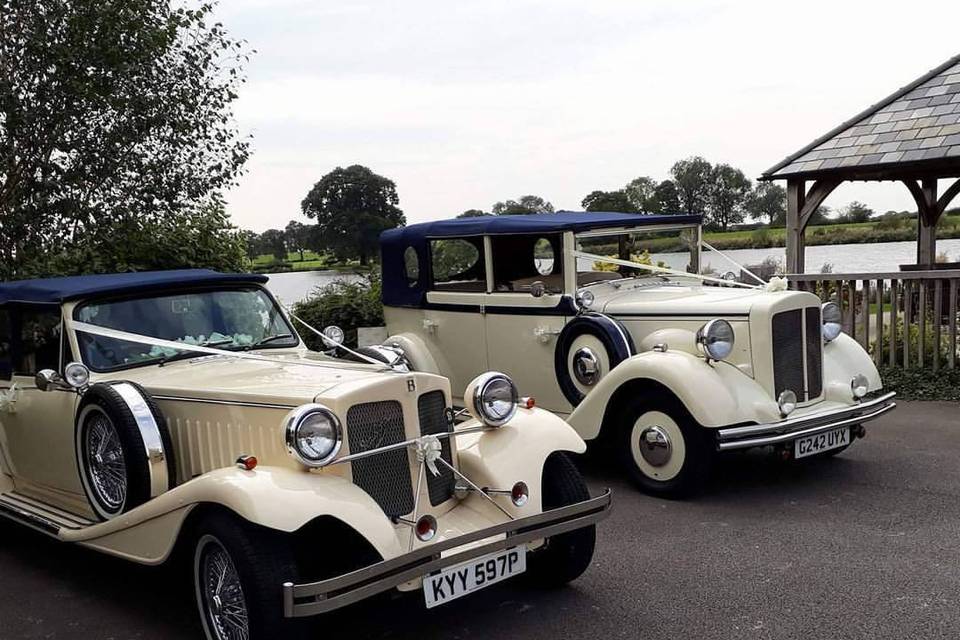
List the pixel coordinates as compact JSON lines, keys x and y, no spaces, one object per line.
{"x":300,"y":600}
{"x":758,"y":435}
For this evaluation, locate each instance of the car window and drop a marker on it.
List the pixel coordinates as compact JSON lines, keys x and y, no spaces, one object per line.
{"x":241,"y":318}
{"x":39,"y":342}
{"x":411,"y":267}
{"x":458,"y":264}
{"x":521,"y":260}
{"x":6,"y":357}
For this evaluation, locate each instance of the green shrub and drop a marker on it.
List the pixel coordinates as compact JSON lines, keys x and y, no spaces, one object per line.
{"x":928,"y":347}
{"x":922,"y":384}
{"x":349,"y":305}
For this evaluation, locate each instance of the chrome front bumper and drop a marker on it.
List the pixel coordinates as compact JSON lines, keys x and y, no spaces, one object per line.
{"x":758,"y":435}
{"x":301,"y":600}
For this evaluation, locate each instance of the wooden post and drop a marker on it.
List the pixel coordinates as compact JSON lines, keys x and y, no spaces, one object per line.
{"x":878,"y":352}
{"x":893,"y":323}
{"x":952,"y":325}
{"x":927,"y":218}
{"x":937,"y":314}
{"x":922,"y":321}
{"x":907,"y":308}
{"x":866,"y":314}
{"x":796,"y":196}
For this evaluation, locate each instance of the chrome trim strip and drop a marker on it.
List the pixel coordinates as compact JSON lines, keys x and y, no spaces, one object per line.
{"x":319,"y":597}
{"x":29,"y":518}
{"x":803,"y":421}
{"x":793,"y":435}
{"x":232,"y":403}
{"x":68,"y":520}
{"x":150,"y":433}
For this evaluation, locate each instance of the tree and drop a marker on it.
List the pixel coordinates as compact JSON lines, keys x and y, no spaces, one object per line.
{"x":729,"y":188}
{"x":641,"y":192}
{"x":473,"y":213}
{"x":297,"y":236}
{"x":115,"y":117}
{"x":856,"y":212}
{"x":666,"y":200}
{"x":251,"y":241}
{"x":526,"y":205}
{"x":352,"y":207}
{"x":274,"y":242}
{"x":693,"y":178}
{"x":768,"y":200}
{"x":609,"y":201}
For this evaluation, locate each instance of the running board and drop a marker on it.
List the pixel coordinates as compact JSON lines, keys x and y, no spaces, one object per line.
{"x":39,"y":515}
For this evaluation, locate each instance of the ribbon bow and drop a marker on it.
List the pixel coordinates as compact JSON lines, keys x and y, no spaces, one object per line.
{"x":776,"y":284}
{"x":428,"y":452}
{"x":8,"y":399}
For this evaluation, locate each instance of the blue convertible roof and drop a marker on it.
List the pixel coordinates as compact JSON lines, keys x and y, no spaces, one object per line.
{"x":57,"y":290}
{"x":537,"y":223}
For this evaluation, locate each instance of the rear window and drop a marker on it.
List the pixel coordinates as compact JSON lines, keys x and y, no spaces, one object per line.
{"x":458,"y":265}
{"x":40,"y":346}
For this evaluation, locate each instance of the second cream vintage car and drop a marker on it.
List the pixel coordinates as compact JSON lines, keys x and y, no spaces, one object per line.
{"x":156,"y":415}
{"x":669,"y":366}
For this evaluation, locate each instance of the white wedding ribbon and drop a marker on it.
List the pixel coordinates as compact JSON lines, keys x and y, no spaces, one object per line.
{"x":8,"y":399}
{"x":428,"y":452}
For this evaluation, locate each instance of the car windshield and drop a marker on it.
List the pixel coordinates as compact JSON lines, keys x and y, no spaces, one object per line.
{"x":231,"y":319}
{"x":673,"y":248}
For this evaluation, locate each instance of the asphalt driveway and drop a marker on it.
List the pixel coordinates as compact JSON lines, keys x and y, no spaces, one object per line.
{"x":865,"y":545}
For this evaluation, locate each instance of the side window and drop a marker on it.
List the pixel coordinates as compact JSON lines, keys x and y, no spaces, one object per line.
{"x":521,"y":260}
{"x":6,"y":362}
{"x":39,"y":342}
{"x":458,"y":264}
{"x":411,"y":267}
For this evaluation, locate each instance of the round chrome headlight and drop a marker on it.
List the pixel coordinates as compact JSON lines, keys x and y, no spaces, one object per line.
{"x":787,"y":401}
{"x":313,"y":435}
{"x":76,"y":374}
{"x":859,"y":386}
{"x":832,"y":321}
{"x":584,"y":299}
{"x":492,"y":398}
{"x":716,"y":339}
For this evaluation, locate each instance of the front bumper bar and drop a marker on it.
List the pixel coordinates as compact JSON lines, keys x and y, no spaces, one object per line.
{"x":300,"y":600}
{"x":758,"y":435}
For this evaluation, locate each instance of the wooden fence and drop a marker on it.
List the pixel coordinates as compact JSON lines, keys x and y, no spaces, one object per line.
{"x":906,"y":319}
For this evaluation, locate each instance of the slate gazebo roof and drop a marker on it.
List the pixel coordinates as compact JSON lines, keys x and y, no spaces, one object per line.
{"x":920,"y":123}
{"x":911,"y":136}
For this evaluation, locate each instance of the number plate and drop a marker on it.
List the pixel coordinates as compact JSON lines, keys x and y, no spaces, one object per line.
{"x":812,"y":445}
{"x":459,"y":580}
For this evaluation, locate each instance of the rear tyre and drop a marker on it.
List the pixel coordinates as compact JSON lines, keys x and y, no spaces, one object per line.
{"x":663,"y":450}
{"x":238,"y":573}
{"x":566,"y":556}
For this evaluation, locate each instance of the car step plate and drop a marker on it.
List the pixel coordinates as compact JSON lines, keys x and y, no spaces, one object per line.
{"x":459,"y":580}
{"x":812,"y":445}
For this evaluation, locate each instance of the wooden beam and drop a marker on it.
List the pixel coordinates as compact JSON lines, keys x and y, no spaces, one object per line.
{"x":796,"y":193}
{"x":814,"y":198}
{"x":925,"y":195}
{"x":952,"y":192}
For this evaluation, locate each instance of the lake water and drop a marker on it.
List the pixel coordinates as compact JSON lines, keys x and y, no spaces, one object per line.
{"x":845,"y":258}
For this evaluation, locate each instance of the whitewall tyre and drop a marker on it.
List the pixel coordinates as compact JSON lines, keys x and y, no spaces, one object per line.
{"x":663,"y":449}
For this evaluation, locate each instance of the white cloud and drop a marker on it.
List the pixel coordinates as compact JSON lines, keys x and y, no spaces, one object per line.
{"x":467,"y":103}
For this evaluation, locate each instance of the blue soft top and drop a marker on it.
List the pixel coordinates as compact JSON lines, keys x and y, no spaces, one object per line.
{"x":537,"y":223}
{"x":57,"y":290}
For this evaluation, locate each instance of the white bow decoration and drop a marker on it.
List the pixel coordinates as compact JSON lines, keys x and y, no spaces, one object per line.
{"x":8,"y":399}
{"x":428,"y":452}
{"x":777,"y":284}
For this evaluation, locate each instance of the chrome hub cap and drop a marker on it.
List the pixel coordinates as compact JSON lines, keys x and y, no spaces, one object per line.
{"x":655,"y":446}
{"x":586,"y":366}
{"x":105,"y":463}
{"x":221,"y":596}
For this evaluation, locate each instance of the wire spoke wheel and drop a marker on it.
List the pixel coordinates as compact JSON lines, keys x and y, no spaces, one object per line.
{"x":105,"y":462}
{"x":222,"y":601}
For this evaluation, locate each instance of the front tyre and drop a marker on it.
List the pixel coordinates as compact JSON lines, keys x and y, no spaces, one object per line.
{"x":566,"y":556}
{"x":238,"y":573}
{"x":663,"y":450}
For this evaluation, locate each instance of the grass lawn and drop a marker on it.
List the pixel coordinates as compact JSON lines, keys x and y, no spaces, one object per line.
{"x":312,"y":261}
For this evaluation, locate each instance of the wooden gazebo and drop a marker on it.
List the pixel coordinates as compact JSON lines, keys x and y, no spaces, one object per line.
{"x":912,"y":136}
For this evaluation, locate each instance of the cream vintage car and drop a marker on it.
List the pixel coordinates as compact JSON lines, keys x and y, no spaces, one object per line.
{"x":606,"y":319}
{"x":166,"y":414}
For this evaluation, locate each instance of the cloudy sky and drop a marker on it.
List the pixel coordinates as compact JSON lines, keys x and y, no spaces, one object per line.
{"x":463,"y":103}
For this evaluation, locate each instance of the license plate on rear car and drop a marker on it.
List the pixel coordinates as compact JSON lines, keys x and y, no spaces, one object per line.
{"x":825,"y":441}
{"x":461,"y":579}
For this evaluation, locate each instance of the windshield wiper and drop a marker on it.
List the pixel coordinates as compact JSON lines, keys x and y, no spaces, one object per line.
{"x":265,"y":341}
{"x":216,"y":343}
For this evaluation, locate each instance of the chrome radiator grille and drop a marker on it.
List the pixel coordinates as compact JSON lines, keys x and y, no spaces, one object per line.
{"x":432,"y":407}
{"x":386,"y":476}
{"x":795,"y":335}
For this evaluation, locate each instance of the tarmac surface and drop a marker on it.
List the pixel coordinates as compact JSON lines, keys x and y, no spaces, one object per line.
{"x":864,"y":545}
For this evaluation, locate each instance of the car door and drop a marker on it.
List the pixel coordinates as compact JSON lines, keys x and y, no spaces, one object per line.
{"x":38,"y":427}
{"x":523,"y":327}
{"x":453,"y":317}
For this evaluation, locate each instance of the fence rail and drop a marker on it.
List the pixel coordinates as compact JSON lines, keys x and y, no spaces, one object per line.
{"x":905,"y":319}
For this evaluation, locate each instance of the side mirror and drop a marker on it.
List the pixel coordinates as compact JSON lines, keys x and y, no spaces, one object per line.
{"x":47,"y":380}
{"x":537,"y":289}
